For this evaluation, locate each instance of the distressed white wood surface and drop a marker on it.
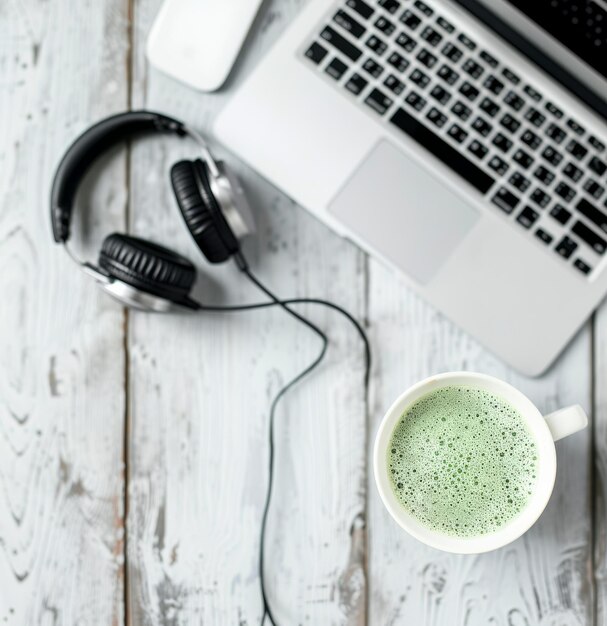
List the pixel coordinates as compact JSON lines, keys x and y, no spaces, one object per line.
{"x":62,"y":66}
{"x":199,"y":388}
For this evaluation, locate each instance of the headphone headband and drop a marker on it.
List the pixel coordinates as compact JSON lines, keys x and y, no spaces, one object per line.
{"x":87,"y":148}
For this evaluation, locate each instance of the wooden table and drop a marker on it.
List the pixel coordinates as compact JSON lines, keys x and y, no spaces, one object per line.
{"x":133,"y":446}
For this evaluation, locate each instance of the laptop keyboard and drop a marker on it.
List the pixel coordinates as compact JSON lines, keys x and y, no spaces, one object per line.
{"x":426,"y":77}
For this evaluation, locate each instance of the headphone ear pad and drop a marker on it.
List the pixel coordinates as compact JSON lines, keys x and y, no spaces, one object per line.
{"x":201,"y":212}
{"x":148,"y":267}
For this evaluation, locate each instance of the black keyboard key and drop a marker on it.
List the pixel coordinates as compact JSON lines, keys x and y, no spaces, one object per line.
{"x":565,"y":191}
{"x":505,"y":200}
{"x":469,"y":91}
{"x":447,"y":74}
{"x":372,"y":67}
{"x":452,"y":52}
{"x":385,"y":25}
{"x":572,"y":172}
{"x":552,"y":108}
{"x":511,"y":76}
{"x":378,"y":101}
{"x":424,"y":8}
{"x":482,"y":126}
{"x":566,"y":247}
{"x":347,"y":22}
{"x":502,"y":142}
{"x":458,"y":133}
{"x":519,"y":181}
{"x":582,"y":266}
{"x":596,"y":216}
{"x":488,"y":58}
{"x":461,"y":110}
{"x":531,"y":139}
{"x":398,"y":62}
{"x":410,"y":19}
{"x":588,"y":236}
{"x":464,"y":39}
{"x":442,"y":150}
{"x":391,"y":6}
{"x":527,"y":217}
{"x":598,"y":166}
{"x":560,"y":214}
{"x":362,"y":8}
{"x":509,"y":123}
{"x":477,"y":149}
{"x":532,"y":93}
{"x":489,"y":107}
{"x":440,"y":94}
{"x":394,"y":85}
{"x":593,"y":188}
{"x":445,"y":25}
{"x":493,"y":84}
{"x":316,"y":53}
{"x":473,"y":68}
{"x":404,"y":41}
{"x":540,"y":197}
{"x":544,"y":175}
{"x":415,"y":100}
{"x":436,"y":117}
{"x":597,"y":144}
{"x":356,"y":84}
{"x":544,"y":236}
{"x":535,"y":117}
{"x":555,"y":133}
{"x":341,"y":43}
{"x":419,"y":78}
{"x":498,"y":165}
{"x":426,"y":58}
{"x":551,"y":155}
{"x":336,"y":68}
{"x":514,"y":101}
{"x":578,"y":129}
{"x":576,"y":149}
{"x":377,"y":45}
{"x":524,"y":159}
{"x":432,"y":36}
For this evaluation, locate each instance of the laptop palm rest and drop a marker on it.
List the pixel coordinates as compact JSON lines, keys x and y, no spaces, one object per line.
{"x":404,"y":212}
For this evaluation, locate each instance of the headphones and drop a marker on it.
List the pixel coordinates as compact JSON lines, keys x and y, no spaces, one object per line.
{"x":147,"y":276}
{"x":137,"y":272}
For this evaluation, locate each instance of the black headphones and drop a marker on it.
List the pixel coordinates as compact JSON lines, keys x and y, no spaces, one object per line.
{"x":139,"y":273}
{"x":147,"y":276}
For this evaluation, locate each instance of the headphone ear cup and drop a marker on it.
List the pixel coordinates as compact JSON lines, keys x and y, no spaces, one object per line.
{"x":201,"y":211}
{"x":148,"y":267}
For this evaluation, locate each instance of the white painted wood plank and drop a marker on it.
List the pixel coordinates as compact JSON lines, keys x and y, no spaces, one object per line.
{"x":62,"y":66}
{"x":544,"y":577}
{"x":600,"y":462}
{"x":200,"y":393}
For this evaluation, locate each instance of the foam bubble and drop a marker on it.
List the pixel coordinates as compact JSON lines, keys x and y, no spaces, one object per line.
{"x":462,"y":461}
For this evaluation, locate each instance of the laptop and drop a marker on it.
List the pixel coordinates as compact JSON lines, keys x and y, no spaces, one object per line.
{"x":463,"y":143}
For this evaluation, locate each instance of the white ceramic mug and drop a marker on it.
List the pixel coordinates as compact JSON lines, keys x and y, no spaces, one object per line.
{"x":544,"y":429}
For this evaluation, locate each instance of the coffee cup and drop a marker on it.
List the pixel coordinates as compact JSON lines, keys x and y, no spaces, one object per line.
{"x":544,"y":430}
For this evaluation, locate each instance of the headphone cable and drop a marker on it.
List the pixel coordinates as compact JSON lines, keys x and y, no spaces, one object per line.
{"x":284,"y":304}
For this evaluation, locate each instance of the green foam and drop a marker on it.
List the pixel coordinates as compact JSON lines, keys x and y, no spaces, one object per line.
{"x":462,"y":461}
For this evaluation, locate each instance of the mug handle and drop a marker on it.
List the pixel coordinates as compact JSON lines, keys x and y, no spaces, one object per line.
{"x":566,"y":421}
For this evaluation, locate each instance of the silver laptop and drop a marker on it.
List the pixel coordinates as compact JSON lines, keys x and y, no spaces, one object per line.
{"x":460,"y":142}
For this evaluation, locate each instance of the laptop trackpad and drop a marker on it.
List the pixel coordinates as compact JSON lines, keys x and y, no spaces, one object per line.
{"x":403,"y":211}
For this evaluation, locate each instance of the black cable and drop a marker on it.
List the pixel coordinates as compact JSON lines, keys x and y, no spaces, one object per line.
{"x":275,"y":301}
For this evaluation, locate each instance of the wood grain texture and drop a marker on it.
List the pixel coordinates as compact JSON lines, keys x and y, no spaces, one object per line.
{"x":200,"y":391}
{"x":543,"y":578}
{"x":62,"y":66}
{"x":600,"y":463}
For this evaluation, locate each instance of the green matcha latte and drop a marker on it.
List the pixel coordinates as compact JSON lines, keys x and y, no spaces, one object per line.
{"x":461,"y":461}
